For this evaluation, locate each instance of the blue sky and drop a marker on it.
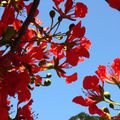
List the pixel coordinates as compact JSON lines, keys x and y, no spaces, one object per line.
{"x":103,"y":29}
{"x":103,"y":26}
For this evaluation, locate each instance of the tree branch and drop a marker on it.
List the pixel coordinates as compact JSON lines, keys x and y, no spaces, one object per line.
{"x":26,"y":23}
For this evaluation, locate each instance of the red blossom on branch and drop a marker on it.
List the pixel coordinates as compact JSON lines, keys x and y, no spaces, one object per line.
{"x":78,"y":10}
{"x":29,"y":48}
{"x":112,"y":75}
{"x":94,"y":94}
{"x":114,"y":4}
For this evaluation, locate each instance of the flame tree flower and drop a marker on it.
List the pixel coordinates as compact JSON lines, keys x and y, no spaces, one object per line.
{"x":112,"y":75}
{"x":94,"y":94}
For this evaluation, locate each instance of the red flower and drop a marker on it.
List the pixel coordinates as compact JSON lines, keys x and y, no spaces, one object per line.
{"x":17,"y":24}
{"x":35,"y":53}
{"x":90,"y":82}
{"x":6,"y":19}
{"x":78,"y":52}
{"x":37,"y":80}
{"x":72,"y":57}
{"x":71,"y":78}
{"x":71,"y":11}
{"x":77,"y":45}
{"x":57,"y":50}
{"x":94,"y":92}
{"x":84,"y":42}
{"x":114,"y":4}
{"x":93,"y":109}
{"x":116,"y":66}
{"x":112,"y":75}
{"x":14,"y":81}
{"x":25,"y":112}
{"x":77,"y":31}
{"x":68,"y":6}
{"x":101,"y":72}
{"x":80,"y":10}
{"x":24,"y":95}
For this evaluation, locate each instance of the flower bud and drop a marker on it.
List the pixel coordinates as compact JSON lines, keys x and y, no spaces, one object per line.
{"x":71,"y":25}
{"x":111,"y":106}
{"x":59,"y":19}
{"x":59,"y":37}
{"x":105,"y":109}
{"x":52,"y":13}
{"x":50,"y":65}
{"x":48,"y":75}
{"x":107,"y":95}
{"x":42,"y":62}
{"x":47,"y":82}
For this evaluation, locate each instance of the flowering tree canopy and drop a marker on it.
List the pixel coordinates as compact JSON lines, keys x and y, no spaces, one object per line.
{"x":27,"y":48}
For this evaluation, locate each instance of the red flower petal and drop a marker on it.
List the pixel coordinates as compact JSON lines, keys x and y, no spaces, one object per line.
{"x":30,"y":33}
{"x":36,"y":53}
{"x":90,"y":82}
{"x":79,"y":100}
{"x":77,"y":31}
{"x":93,"y":109}
{"x":84,"y":42}
{"x":17,"y":24}
{"x":83,"y":52}
{"x":101,"y":72}
{"x":25,"y":111}
{"x":72,"y":57}
{"x":57,"y":2}
{"x":24,"y":95}
{"x":68,"y":6}
{"x":8,"y":18}
{"x":116,"y":65}
{"x":114,"y":4}
{"x":38,"y":21}
{"x":80,"y":10}
{"x":71,"y":78}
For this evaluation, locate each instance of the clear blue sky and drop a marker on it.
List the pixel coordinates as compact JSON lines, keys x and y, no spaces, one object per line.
{"x":103,"y":29}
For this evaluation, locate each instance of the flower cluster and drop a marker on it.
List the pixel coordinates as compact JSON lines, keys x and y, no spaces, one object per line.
{"x":71,"y":10}
{"x":95,"y":92}
{"x":112,"y":75}
{"x":27,"y":48}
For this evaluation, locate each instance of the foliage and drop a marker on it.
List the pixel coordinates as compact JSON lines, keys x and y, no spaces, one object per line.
{"x":84,"y":116}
